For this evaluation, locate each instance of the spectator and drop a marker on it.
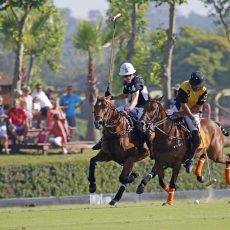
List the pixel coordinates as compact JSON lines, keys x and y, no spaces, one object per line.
{"x":57,"y":126}
{"x":28,"y":105}
{"x":56,"y":110}
{"x":36,"y":110}
{"x":49,"y":93}
{"x":3,"y":127}
{"x":69,"y":103}
{"x":18,"y":94}
{"x":17,"y":121}
{"x":44,"y":102}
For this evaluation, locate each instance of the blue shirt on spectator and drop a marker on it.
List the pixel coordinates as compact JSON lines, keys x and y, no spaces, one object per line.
{"x":71,"y":101}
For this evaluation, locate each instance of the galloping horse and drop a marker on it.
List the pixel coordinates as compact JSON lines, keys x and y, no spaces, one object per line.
{"x":169,"y":146}
{"x":120,"y":143}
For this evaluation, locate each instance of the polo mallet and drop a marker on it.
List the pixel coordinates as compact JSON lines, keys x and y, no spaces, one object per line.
{"x":210,"y":180}
{"x":114,"y":19}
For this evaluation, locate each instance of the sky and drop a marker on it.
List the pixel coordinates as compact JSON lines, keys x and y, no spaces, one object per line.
{"x":80,"y":8}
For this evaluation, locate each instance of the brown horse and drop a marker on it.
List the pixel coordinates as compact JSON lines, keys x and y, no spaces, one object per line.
{"x":120,"y":143}
{"x":170,"y":146}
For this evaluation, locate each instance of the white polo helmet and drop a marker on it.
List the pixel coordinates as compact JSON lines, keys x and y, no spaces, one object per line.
{"x":126,"y":69}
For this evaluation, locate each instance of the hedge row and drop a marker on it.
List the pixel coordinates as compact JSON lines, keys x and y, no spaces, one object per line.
{"x":70,"y":178}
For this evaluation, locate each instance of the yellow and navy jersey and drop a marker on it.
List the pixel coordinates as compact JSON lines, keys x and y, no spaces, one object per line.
{"x":187,"y":95}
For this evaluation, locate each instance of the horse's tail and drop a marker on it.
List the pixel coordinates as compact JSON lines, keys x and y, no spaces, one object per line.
{"x":224,"y":131}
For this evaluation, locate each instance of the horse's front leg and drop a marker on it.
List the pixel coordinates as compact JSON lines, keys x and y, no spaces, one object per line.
{"x":126,"y":177}
{"x":199,"y":168}
{"x":101,"y":156}
{"x":145,"y":181}
{"x":172,"y":185}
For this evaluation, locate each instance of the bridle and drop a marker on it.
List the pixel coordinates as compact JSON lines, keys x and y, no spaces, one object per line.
{"x":152,"y":123}
{"x":110,"y":121}
{"x":105,"y":121}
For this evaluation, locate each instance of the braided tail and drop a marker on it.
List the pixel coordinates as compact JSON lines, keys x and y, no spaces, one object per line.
{"x":224,"y":131}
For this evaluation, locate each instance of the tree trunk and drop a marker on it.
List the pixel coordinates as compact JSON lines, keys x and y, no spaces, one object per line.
{"x":132,"y":40}
{"x":19,"y":52}
{"x":91,"y":95}
{"x":167,"y":59}
{"x":30,"y":67}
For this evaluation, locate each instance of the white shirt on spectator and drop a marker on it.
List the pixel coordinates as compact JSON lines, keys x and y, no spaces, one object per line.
{"x":44,"y":101}
{"x":29,"y":103}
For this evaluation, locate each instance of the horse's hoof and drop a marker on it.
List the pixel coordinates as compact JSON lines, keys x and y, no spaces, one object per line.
{"x":135,"y":175}
{"x":140,"y":189}
{"x":92,"y":188}
{"x":201,"y":179}
{"x":112,"y":202}
{"x":167,"y":204}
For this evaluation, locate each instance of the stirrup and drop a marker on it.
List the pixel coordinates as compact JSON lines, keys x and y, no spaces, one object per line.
{"x":97,"y":146}
{"x":188,"y":165}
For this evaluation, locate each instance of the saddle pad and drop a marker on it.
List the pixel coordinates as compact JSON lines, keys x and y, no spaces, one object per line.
{"x":203,"y":143}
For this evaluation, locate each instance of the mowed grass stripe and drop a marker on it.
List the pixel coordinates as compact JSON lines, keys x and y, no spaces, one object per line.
{"x":134,"y":216}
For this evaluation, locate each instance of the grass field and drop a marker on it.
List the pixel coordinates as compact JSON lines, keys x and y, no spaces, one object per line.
{"x":125,"y":216}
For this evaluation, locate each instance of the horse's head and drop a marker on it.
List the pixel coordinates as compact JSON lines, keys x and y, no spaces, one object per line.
{"x":102,"y":112}
{"x":151,"y":114}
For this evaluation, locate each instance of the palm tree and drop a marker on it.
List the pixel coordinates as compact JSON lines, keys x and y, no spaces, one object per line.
{"x":90,"y":38}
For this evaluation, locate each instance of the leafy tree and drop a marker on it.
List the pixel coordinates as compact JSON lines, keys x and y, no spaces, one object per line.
{"x":169,"y":46}
{"x":203,"y":51}
{"x":221,"y":9}
{"x":130,"y":31}
{"x":44,"y":38}
{"x":90,"y":38}
{"x":19,"y":11}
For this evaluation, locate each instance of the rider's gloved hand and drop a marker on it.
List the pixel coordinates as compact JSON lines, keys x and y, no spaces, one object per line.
{"x":107,"y":93}
{"x":110,"y":97}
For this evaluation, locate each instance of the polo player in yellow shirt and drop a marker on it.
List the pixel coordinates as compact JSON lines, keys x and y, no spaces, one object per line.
{"x":191,"y":96}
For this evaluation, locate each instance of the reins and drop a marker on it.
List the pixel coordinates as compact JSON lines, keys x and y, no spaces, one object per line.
{"x":155,"y":124}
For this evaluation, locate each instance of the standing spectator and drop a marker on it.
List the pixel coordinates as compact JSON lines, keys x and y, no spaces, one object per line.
{"x":44,"y":102}
{"x":17,"y":121}
{"x":18,"y":94}
{"x":28,"y":105}
{"x":69,"y":103}
{"x":3,"y":127}
{"x":49,"y":93}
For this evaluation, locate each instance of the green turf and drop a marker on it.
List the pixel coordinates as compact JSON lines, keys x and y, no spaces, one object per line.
{"x":126,"y":216}
{"x":33,"y":158}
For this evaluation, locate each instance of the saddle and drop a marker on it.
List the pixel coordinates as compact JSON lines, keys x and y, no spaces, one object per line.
{"x":185,"y":133}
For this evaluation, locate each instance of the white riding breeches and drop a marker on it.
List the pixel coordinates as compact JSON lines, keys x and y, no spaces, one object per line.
{"x":137,"y":111}
{"x":188,"y":120}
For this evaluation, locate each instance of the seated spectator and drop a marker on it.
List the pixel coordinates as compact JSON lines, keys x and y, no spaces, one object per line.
{"x":69,"y":103}
{"x":57,"y":125}
{"x":36,"y":110}
{"x":3,"y":127}
{"x":49,"y":93}
{"x":28,"y":105}
{"x":44,"y":102}
{"x":17,"y":121}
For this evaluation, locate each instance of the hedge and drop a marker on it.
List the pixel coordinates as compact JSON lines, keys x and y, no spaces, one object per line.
{"x":70,"y":178}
